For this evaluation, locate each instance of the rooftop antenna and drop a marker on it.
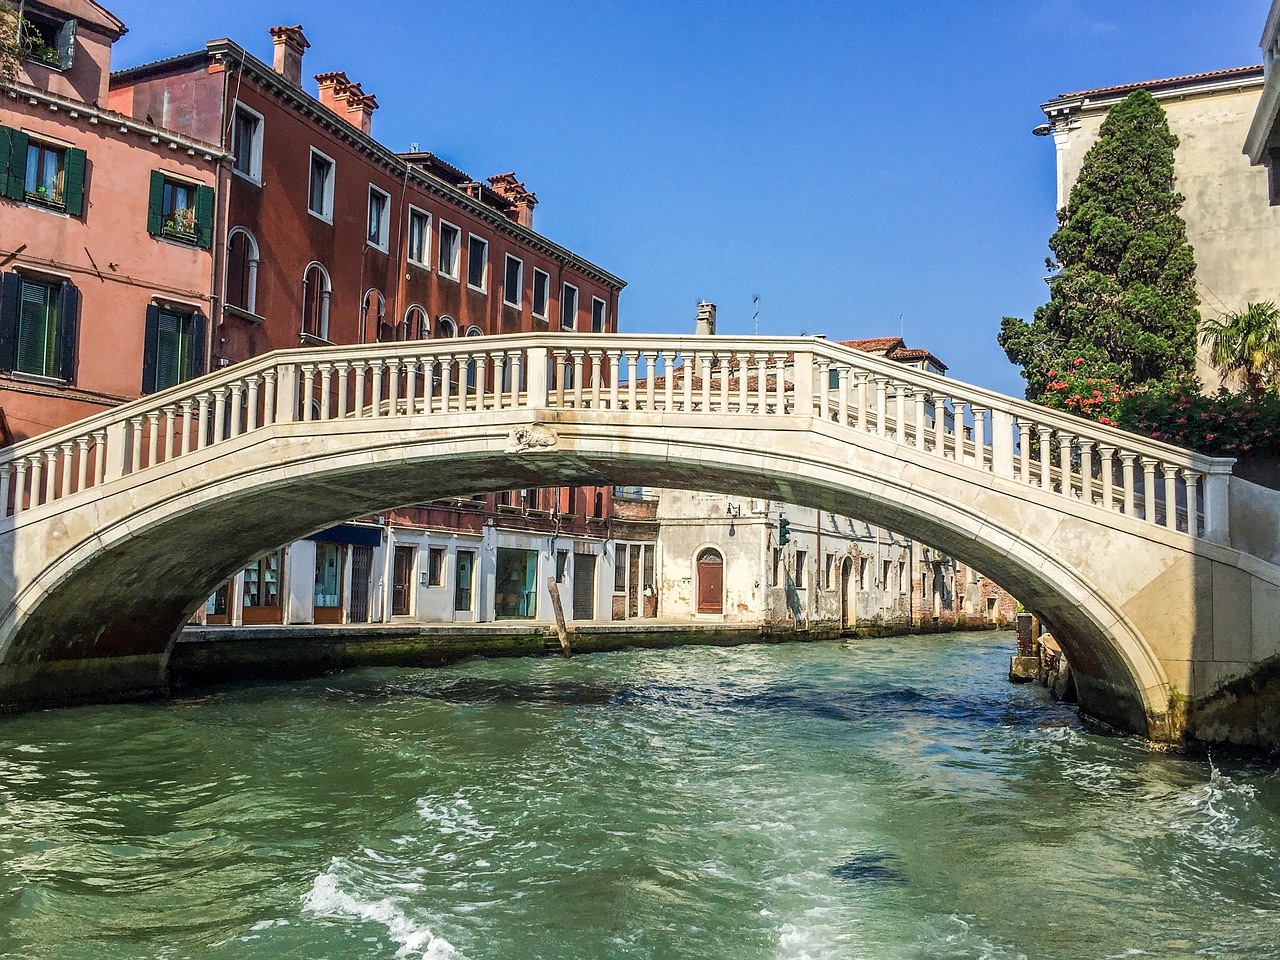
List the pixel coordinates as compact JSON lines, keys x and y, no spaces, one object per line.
{"x":755,"y":317}
{"x":902,"y":327}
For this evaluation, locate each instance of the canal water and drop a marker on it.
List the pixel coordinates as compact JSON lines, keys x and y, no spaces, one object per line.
{"x":878,"y":799}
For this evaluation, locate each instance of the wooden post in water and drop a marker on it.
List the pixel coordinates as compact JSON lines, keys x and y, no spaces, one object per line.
{"x":554,"y":589}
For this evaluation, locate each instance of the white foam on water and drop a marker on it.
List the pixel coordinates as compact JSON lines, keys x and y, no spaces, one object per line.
{"x":454,"y":816}
{"x":328,"y":899}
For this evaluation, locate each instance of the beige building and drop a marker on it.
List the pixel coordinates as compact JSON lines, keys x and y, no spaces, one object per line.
{"x":1231,"y":226}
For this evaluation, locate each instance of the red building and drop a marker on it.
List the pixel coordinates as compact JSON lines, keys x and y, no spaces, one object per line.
{"x":107,"y":233}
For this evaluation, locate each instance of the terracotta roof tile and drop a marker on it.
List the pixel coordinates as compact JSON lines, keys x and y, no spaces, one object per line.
{"x":1240,"y":72}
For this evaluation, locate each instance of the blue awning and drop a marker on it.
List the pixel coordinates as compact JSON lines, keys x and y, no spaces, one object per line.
{"x":353,"y":535}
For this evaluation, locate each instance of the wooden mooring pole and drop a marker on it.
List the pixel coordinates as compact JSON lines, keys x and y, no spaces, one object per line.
{"x":554,"y":589}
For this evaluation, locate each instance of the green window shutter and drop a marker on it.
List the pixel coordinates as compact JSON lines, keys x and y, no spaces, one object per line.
{"x":37,"y":329}
{"x":170,"y":362}
{"x":150,"y":336}
{"x":195,"y":347}
{"x":68,"y":327}
{"x":16,"y":187}
{"x":204,"y":217}
{"x":10,"y":287}
{"x":155,"y":206}
{"x":73,"y":180}
{"x":5,"y":135}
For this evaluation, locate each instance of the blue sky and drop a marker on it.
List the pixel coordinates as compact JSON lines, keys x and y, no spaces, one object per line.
{"x":849,"y":163}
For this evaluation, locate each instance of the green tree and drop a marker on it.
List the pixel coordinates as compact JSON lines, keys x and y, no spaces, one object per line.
{"x":1247,"y":341}
{"x":10,"y":51}
{"x":1122,"y":302}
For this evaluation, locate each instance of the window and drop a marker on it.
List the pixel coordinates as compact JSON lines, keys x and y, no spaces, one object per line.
{"x":320,"y":191}
{"x":242,"y":270}
{"x":569,"y":307}
{"x":372,"y":310}
{"x":541,"y":291}
{"x":315,"y":302}
{"x":599,"y":315}
{"x":416,"y":324}
{"x":828,"y":571}
{"x":328,"y":582}
{"x":513,"y":283}
{"x":379,"y":205}
{"x":450,"y":249}
{"x":464,"y":567}
{"x":620,"y":569}
{"x":180,"y":210}
{"x":262,"y":581}
{"x":419,"y":237}
{"x":50,"y":43}
{"x":435,"y":566}
{"x":562,"y":565}
{"x":884,"y":582}
{"x":446,"y":327}
{"x":173,"y":348}
{"x":44,"y":174}
{"x":802,"y":560}
{"x":477,"y":261}
{"x":516,"y":584}
{"x":246,"y":143}
{"x":38,"y":320}
{"x":775,"y":568}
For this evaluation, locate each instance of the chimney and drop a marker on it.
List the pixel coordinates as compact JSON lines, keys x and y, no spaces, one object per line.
{"x":333,"y":91}
{"x":706,"y":320}
{"x":360,"y":107}
{"x":290,"y":46}
{"x":513,"y":191}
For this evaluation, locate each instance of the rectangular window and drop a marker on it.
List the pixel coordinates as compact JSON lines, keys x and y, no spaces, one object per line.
{"x":246,"y":143}
{"x":49,"y":42}
{"x":513,"y":283}
{"x":541,"y":292}
{"x":828,"y":571}
{"x":38,"y":326}
{"x":377,"y":229}
{"x":599,"y":315}
{"x":464,"y":570}
{"x":620,"y":569}
{"x":450,"y":247}
{"x":328,"y":585}
{"x":569,"y":307}
{"x":173,"y":349}
{"x":775,"y":568}
{"x":419,"y":237}
{"x":435,"y":566}
{"x":884,"y":582}
{"x":477,"y":262}
{"x":802,"y":561}
{"x":320,"y":189}
{"x":44,"y":174}
{"x":262,"y":581}
{"x":46,"y":171}
{"x":562,"y":565}
{"x":180,"y":210}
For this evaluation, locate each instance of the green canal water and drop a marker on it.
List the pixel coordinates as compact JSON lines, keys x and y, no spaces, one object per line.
{"x":882,"y":799}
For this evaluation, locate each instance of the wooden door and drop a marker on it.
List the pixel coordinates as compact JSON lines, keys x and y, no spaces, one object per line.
{"x":710,"y":582}
{"x":402,"y":581}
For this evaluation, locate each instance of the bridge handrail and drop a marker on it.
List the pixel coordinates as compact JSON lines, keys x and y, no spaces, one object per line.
{"x":975,"y":427}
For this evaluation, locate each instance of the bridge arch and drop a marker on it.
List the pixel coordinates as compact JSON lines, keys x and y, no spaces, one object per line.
{"x":112,"y":555}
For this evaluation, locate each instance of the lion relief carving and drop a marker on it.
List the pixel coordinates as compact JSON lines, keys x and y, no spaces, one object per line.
{"x":531,"y":438}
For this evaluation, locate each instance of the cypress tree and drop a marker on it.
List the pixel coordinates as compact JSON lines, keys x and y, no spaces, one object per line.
{"x":1122,"y":303}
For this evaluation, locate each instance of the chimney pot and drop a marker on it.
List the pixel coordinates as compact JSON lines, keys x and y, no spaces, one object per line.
{"x":290,"y":45}
{"x":706,"y":326}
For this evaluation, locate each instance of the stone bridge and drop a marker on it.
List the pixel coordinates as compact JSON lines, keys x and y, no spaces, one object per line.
{"x":113,"y":530}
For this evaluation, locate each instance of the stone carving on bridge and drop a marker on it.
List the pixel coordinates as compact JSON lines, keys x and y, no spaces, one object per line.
{"x":533,"y":436}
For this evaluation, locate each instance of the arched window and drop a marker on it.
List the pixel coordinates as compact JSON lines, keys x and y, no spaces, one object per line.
{"x":242,"y":270}
{"x":315,"y":302}
{"x":446,"y":327}
{"x":710,"y":581}
{"x":416,"y":324}
{"x":472,"y":331}
{"x":372,"y":310}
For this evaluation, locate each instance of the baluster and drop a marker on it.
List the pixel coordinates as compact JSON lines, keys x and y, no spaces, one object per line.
{"x":269,"y":397}
{"x":500,"y":381}
{"x":615,"y":364}
{"x":578,"y":356}
{"x":1107,"y":473}
{"x":325,"y":369}
{"x":220,"y":413}
{"x":67,"y":452}
{"x":762,"y":383}
{"x":1149,"y":489}
{"x":1066,"y":480}
{"x":597,"y":359}
{"x":668,"y":362}
{"x":135,"y":444}
{"x":429,"y":381}
{"x":20,"y":486}
{"x":50,"y":474}
{"x":921,"y":400}
{"x":236,"y":411}
{"x":959,"y":406}
{"x":848,"y":416}
{"x":864,"y":416}
{"x":375,"y":388}
{"x":446,"y":382}
{"x":82,"y":466}
{"x":37,"y":479}
{"x":1126,"y":475}
{"x":185,"y":406}
{"x":703,"y":361}
{"x":722,"y":365}
{"x":5,"y":489}
{"x":254,"y":381}
{"x":308,"y":390}
{"x":1170,"y":496}
{"x":901,"y":392}
{"x":1024,"y":451}
{"x":824,"y":391}
{"x":1045,"y":435}
{"x":99,"y":457}
{"x":780,"y":381}
{"x":153,"y":436}
{"x":980,"y":437}
{"x":411,"y":385}
{"x":650,"y":381}
{"x":882,"y":384}
{"x":1086,"y":471}
{"x":1190,"y":478}
{"x":744,"y":382}
{"x":633,"y":372}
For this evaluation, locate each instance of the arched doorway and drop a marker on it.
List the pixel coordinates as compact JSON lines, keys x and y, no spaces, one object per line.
{"x":710,"y":581}
{"x":847,"y":610}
